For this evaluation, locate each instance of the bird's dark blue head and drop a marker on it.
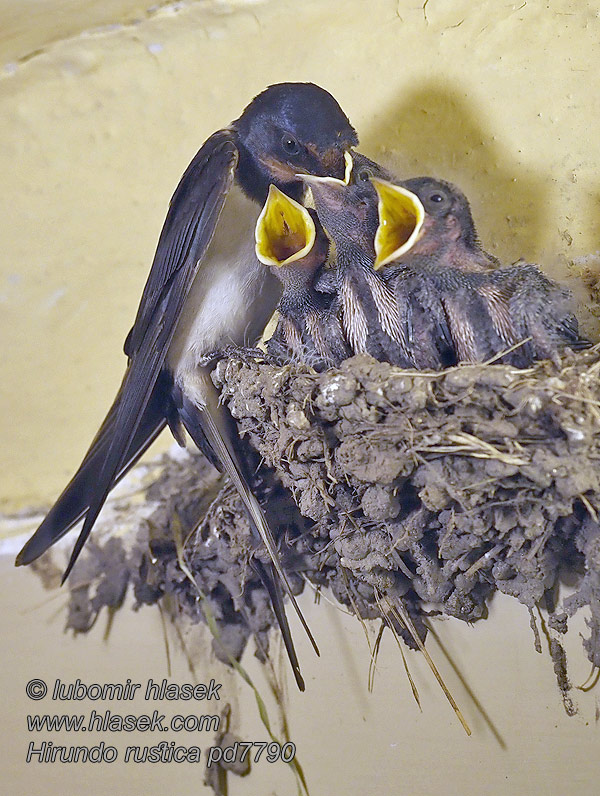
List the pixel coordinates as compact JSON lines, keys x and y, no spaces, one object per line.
{"x":291,"y":128}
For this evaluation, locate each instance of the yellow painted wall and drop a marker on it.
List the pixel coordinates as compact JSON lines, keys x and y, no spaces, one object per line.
{"x":30,"y":26}
{"x":96,"y":129}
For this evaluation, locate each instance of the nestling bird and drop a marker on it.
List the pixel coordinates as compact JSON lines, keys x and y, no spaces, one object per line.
{"x":347,"y":209}
{"x":445,"y":319}
{"x":541,"y":312}
{"x":450,"y":285}
{"x":291,"y":241}
{"x":206,"y":291}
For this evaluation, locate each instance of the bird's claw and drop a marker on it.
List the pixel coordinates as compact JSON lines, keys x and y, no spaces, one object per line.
{"x":246,"y":355}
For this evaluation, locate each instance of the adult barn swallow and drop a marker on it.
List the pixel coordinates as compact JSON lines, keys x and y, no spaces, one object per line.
{"x":290,"y":240}
{"x":347,"y":209}
{"x":206,"y":290}
{"x":453,"y":284}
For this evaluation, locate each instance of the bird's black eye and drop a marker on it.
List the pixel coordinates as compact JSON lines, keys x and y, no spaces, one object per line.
{"x":436,"y":197}
{"x":364,"y":175}
{"x":290,"y":145}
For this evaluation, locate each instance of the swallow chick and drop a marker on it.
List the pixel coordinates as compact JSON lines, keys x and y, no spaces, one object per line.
{"x":457,"y":292}
{"x":347,"y":210}
{"x":427,"y":239}
{"x":541,"y":312}
{"x":290,"y":240}
{"x":206,"y":291}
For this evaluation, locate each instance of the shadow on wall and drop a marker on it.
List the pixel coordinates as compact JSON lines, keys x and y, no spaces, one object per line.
{"x":438,"y":131}
{"x":593,"y":219}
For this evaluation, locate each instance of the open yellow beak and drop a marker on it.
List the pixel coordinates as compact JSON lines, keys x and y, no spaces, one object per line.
{"x":401,"y":217}
{"x":308,"y":178}
{"x":285,"y":232}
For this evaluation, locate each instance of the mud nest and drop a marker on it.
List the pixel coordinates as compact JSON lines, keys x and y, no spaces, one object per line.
{"x":433,"y":490}
{"x":442,"y":488}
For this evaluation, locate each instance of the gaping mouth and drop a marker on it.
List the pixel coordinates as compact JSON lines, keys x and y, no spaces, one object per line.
{"x":285,"y":232}
{"x":401,"y":217}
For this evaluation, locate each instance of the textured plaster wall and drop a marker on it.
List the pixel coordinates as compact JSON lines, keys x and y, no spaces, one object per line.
{"x":97,"y":127}
{"x":102,"y":105}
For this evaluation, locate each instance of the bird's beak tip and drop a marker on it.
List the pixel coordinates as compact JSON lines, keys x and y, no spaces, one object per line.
{"x":330,"y":179}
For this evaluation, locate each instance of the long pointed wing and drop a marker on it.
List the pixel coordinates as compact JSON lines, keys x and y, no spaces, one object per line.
{"x":188,"y":229}
{"x":270,"y":580}
{"x":211,"y":425}
{"x":73,"y":503}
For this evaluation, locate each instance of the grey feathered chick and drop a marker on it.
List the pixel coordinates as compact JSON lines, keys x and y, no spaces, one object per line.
{"x":291,"y":241}
{"x":449,"y":283}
